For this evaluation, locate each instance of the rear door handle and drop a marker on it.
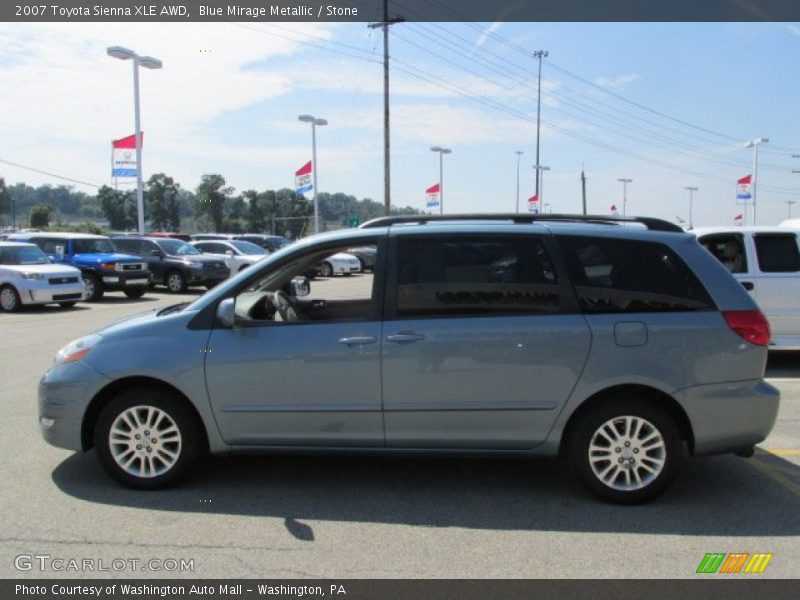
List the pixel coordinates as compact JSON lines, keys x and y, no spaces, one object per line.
{"x":399,"y":338}
{"x":748,"y":285}
{"x":358,"y":340}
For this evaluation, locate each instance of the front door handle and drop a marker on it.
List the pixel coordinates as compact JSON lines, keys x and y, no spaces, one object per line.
{"x":358,"y":340}
{"x":748,"y":285}
{"x":401,"y":337}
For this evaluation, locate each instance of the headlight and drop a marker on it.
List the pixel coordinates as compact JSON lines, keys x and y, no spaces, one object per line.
{"x":76,"y":350}
{"x":195,"y":265}
{"x":29,"y":275}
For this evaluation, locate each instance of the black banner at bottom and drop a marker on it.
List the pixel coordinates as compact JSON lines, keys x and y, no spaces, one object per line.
{"x":395,"y":589}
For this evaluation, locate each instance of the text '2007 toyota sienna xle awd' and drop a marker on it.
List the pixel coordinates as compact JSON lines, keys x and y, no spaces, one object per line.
{"x":620,"y":345}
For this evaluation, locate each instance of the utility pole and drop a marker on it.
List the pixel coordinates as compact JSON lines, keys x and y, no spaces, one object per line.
{"x":691,"y":190}
{"x":442,"y":152}
{"x":754,"y":144}
{"x":540,"y":54}
{"x":387,"y":202}
{"x":583,"y":189}
{"x":624,"y":183}
{"x":789,"y":204}
{"x":519,"y":154}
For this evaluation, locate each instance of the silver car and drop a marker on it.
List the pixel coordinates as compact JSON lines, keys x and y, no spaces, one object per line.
{"x":623,"y":349}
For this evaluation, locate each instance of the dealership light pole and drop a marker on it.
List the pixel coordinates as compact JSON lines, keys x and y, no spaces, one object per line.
{"x":314,"y":123}
{"x":519,"y":154}
{"x":148,"y":62}
{"x":754,"y":144}
{"x":691,"y":190}
{"x":540,"y":178}
{"x":540,"y":54}
{"x":624,"y":183}
{"x":442,"y":152}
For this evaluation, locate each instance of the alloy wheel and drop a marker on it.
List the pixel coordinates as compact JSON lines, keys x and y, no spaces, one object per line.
{"x":145,"y":441}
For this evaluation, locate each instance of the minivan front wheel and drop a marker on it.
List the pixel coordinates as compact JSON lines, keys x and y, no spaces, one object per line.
{"x":147,"y":439}
{"x":626,"y":452}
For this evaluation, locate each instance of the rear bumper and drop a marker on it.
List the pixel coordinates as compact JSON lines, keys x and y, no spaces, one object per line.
{"x":729,"y":417}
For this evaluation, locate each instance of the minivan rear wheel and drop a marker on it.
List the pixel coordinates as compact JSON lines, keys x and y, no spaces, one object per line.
{"x":626,"y":452}
{"x":147,"y":438}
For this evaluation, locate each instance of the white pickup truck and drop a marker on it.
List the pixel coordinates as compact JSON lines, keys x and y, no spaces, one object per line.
{"x":766,"y":261}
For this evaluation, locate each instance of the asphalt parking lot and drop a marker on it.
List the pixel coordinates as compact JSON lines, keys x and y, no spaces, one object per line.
{"x":278,"y":516}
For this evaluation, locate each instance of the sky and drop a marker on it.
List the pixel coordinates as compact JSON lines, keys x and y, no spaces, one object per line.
{"x":666,"y":105}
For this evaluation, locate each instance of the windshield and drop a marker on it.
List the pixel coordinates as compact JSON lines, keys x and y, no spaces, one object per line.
{"x":93,"y":246}
{"x":247,"y":247}
{"x":177,"y":248}
{"x":23,"y":255}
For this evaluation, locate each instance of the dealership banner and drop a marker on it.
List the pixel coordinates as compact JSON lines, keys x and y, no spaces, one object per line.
{"x":407,"y":10}
{"x":533,"y":204}
{"x":302,"y":179}
{"x":743,"y":188}
{"x":432,"y":195}
{"x":123,"y":157}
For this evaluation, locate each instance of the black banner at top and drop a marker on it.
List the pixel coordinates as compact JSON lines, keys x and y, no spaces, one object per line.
{"x":370,"y":11}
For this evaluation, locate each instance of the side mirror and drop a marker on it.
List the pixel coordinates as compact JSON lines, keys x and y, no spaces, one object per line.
{"x":226,"y":312}
{"x":300,"y":287}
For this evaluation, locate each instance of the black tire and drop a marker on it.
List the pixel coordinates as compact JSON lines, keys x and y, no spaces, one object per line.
{"x":653,"y":419}
{"x":326,"y":270}
{"x":135,"y":292}
{"x":67,"y":304}
{"x":190,"y":448}
{"x":94,"y":287}
{"x":175,"y":282}
{"x":10,"y":299}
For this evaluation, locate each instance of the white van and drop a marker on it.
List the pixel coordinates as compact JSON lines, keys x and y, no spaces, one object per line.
{"x":766,"y":261}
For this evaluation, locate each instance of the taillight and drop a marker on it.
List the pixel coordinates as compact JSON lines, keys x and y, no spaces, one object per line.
{"x":750,"y":325}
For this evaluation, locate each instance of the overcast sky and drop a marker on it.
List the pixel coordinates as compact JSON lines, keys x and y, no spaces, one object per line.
{"x":667,"y":105}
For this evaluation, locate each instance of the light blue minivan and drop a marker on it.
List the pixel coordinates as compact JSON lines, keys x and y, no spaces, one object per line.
{"x":619,"y":344}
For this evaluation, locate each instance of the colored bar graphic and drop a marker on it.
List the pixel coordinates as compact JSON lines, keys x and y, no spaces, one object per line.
{"x":731,"y":564}
{"x":711,"y":562}
{"x":758,"y":563}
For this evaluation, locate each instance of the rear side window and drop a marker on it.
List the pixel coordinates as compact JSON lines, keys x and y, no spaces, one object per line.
{"x":727,"y":249}
{"x":616,"y":275}
{"x":127,"y":245}
{"x":777,"y":253}
{"x":475,"y":276}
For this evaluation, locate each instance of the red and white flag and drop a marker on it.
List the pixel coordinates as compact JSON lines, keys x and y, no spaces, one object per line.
{"x":738,"y":219}
{"x":432,"y":195}
{"x":533,"y":204}
{"x":123,"y":157}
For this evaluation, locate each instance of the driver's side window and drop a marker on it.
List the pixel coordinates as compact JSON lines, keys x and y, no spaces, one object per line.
{"x":322,"y":285}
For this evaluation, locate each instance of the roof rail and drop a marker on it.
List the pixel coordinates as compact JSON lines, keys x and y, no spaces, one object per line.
{"x":651,"y":223}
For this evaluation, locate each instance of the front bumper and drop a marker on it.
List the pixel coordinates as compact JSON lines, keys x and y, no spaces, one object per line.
{"x":42,"y":292}
{"x":729,"y":417}
{"x":64,"y":395}
{"x":116,"y":280}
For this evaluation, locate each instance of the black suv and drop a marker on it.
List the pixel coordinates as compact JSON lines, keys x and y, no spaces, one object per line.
{"x":175,"y":263}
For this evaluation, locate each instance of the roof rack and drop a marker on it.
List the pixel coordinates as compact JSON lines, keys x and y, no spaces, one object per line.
{"x":651,"y":223}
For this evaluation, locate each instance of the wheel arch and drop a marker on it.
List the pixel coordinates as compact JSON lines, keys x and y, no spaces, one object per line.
{"x":109,"y":391}
{"x":642,"y":393}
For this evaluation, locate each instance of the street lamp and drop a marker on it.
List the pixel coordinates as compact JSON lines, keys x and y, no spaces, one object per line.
{"x":314,"y":123}
{"x":519,"y":154}
{"x":148,"y":62}
{"x":540,"y":178}
{"x":442,"y":152}
{"x":539,"y":54}
{"x":790,"y":203}
{"x":755,"y":144}
{"x":625,"y":183}
{"x":692,"y":190}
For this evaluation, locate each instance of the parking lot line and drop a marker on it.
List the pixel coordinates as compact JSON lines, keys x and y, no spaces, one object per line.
{"x":781,"y":452}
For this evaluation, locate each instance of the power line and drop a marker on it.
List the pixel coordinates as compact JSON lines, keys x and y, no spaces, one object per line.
{"x":41,"y":172}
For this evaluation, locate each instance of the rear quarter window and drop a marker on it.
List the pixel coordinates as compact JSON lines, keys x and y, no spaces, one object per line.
{"x":777,"y":252}
{"x":618,"y":275}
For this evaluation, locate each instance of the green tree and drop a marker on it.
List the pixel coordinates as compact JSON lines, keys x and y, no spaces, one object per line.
{"x":40,"y":216}
{"x":163,"y":208}
{"x":6,"y":206}
{"x":212,"y":194}
{"x":256,"y":215}
{"x":118,"y":207}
